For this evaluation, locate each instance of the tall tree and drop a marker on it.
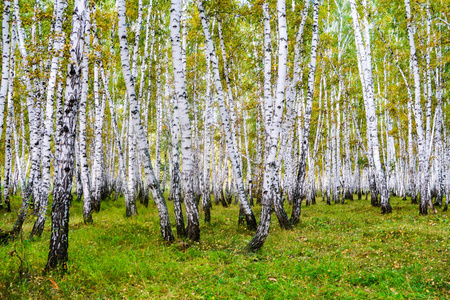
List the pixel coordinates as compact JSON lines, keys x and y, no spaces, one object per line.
{"x":425,"y":199}
{"x":182,"y":113}
{"x":230,"y":142}
{"x":5,"y":64}
{"x":59,"y":7}
{"x":59,"y":240}
{"x":142,"y":141}
{"x":363,"y":47}
{"x":307,"y":118}
{"x":273,"y":120}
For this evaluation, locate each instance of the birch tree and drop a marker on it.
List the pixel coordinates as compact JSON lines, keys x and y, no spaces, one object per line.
{"x":181,"y":111}
{"x":364,"y":54}
{"x":271,"y":193}
{"x":59,"y":240}
{"x":38,"y":227}
{"x":142,"y":141}
{"x":307,"y":118}
{"x":425,"y":199}
{"x":230,"y":143}
{"x":5,"y":64}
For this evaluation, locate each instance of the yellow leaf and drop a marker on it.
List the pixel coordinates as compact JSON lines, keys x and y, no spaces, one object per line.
{"x":54,"y":285}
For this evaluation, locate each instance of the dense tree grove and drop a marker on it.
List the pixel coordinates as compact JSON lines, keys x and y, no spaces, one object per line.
{"x":250,"y":102}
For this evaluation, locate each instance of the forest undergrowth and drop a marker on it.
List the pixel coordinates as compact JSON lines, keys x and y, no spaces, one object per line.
{"x":347,"y":251}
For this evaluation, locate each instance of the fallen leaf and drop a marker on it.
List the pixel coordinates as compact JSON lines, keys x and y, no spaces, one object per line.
{"x":54,"y":285}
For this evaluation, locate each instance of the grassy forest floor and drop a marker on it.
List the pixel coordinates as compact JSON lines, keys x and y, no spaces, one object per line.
{"x":346,"y":251}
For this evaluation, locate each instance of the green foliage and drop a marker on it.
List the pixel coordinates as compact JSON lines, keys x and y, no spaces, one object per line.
{"x":337,"y":252}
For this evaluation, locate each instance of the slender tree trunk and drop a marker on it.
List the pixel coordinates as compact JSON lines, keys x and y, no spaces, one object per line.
{"x":98,"y":175}
{"x":364,"y":49}
{"x":175,"y":177}
{"x":60,"y":6}
{"x":181,"y":111}
{"x":296,"y":208}
{"x":84,"y":166}
{"x":271,"y":192}
{"x":231,"y":145}
{"x":59,"y":240}
{"x":6,"y":48}
{"x":440,"y":161}
{"x":34,"y":177}
{"x":9,"y":123}
{"x":425,"y":199}
{"x":206,"y":193}
{"x":142,"y":140}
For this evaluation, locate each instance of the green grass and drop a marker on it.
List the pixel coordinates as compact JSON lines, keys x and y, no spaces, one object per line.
{"x":346,"y":251}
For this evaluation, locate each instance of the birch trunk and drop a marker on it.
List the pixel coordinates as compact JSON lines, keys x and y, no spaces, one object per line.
{"x":98,"y":174}
{"x":84,"y":167}
{"x":34,"y":178}
{"x":59,"y":240}
{"x":175,"y":182}
{"x":271,"y":192}
{"x":142,"y":140}
{"x":364,"y":50}
{"x":425,"y":199}
{"x":9,"y":123}
{"x":296,"y":208}
{"x":6,"y":49}
{"x":38,"y":228}
{"x":181,"y":110}
{"x":230,"y":143}
{"x":206,"y":194}
{"x":440,"y":161}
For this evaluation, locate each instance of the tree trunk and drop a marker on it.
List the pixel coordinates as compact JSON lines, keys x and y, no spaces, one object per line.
{"x":38,"y":227}
{"x":231,"y":145}
{"x":296,"y":208}
{"x":6,"y":49}
{"x":59,"y":240}
{"x":9,"y":123}
{"x":364,"y":52}
{"x":425,"y":199}
{"x":142,"y":141}
{"x":181,"y":111}
{"x":99,"y":191}
{"x":271,"y":192}
{"x":84,"y":166}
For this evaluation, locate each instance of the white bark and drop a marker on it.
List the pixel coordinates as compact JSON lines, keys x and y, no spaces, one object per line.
{"x":425,"y":200}
{"x":9,"y":122}
{"x":98,"y":172}
{"x":364,"y":51}
{"x":84,"y":166}
{"x":207,"y":137}
{"x":182,"y":112}
{"x":142,"y":140}
{"x":230,"y":143}
{"x":6,"y":49}
{"x":307,"y":117}
{"x":59,"y":239}
{"x":271,"y":192}
{"x":60,"y":6}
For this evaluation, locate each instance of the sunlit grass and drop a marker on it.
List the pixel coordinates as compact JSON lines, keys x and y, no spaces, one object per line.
{"x":336,"y":252}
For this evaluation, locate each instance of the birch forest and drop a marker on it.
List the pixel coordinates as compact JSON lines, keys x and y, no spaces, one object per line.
{"x":193,"y":119}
